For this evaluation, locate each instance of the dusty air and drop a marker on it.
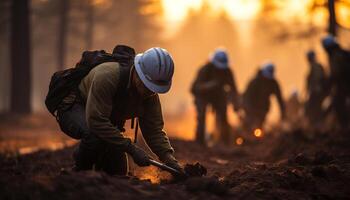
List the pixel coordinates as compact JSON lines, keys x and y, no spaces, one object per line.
{"x":175,"y":99}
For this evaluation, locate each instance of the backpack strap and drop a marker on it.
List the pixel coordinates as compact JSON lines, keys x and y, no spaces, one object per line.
{"x":136,"y":128}
{"x":125,"y":55}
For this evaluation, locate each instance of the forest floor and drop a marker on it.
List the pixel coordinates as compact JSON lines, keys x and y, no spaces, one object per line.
{"x":295,"y":164}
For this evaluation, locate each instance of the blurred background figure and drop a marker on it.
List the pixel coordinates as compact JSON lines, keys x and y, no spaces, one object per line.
{"x":50,"y":35}
{"x":316,"y":88}
{"x":339,"y":63}
{"x":256,"y":98}
{"x":294,"y":108}
{"x":214,"y":86}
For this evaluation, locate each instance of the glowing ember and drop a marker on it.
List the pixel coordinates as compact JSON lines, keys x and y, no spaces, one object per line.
{"x":239,"y":141}
{"x":151,"y":173}
{"x":49,"y":145}
{"x":258,"y":132}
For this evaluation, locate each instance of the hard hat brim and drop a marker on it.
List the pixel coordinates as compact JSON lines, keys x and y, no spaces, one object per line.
{"x":219,"y":64}
{"x":149,"y":84}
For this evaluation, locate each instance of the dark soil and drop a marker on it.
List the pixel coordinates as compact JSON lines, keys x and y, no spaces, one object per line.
{"x":289,"y":165}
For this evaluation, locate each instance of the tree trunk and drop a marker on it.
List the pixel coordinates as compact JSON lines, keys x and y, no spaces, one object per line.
{"x":89,"y":25}
{"x":332,"y":27}
{"x":62,"y":34}
{"x":20,"y":57}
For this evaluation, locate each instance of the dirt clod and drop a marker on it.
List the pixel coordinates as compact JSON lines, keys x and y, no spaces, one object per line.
{"x":195,"y":170}
{"x":207,"y":184}
{"x":285,"y":166}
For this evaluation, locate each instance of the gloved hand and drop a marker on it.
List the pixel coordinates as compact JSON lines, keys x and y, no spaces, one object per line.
{"x":171,"y":161}
{"x":139,"y":156}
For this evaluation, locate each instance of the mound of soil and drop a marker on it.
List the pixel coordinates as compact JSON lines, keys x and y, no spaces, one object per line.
{"x":289,"y":165}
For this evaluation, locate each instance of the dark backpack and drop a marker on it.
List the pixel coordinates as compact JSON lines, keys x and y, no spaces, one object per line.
{"x":64,"y":82}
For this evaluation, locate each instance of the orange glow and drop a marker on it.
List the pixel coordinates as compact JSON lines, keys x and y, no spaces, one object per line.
{"x":258,"y":132}
{"x":286,"y":10}
{"x":176,"y":11}
{"x":343,"y":14}
{"x":49,"y":145}
{"x":98,"y":2}
{"x":152,"y":174}
{"x":239,"y":141}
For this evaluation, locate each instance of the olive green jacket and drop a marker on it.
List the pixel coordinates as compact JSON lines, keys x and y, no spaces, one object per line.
{"x":99,"y":90}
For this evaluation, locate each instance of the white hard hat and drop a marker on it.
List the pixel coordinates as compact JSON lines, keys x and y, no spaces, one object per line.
{"x":329,"y":41}
{"x":155,"y":68}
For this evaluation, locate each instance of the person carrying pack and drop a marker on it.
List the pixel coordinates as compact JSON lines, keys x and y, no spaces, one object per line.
{"x":316,"y":87}
{"x":256,"y":98}
{"x":339,"y":80}
{"x":215,"y":86}
{"x":93,"y":100}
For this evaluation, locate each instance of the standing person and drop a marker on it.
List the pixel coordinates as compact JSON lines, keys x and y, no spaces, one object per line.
{"x":107,"y":96}
{"x":294,"y":108}
{"x":316,"y":89}
{"x":339,"y":62}
{"x":214,"y":86}
{"x":256,"y":98}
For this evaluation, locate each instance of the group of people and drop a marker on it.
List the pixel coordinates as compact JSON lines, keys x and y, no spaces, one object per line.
{"x":126,"y":86}
{"x":215,"y":86}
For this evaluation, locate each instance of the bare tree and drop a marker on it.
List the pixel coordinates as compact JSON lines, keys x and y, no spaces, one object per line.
{"x":332,"y":26}
{"x":62,"y":33}
{"x":20,"y":57}
{"x":89,"y":24}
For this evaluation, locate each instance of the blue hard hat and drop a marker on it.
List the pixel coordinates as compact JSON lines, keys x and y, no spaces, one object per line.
{"x":311,"y":54}
{"x":329,"y":41}
{"x":220,"y":59}
{"x":268,"y":70}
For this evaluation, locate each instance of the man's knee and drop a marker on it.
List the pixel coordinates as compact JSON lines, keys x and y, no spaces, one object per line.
{"x":72,"y":122}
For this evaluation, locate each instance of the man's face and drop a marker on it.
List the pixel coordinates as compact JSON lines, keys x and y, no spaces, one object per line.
{"x":141,"y":89}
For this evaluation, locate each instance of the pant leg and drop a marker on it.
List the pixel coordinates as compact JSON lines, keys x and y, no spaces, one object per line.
{"x":314,"y":111}
{"x":72,"y":121}
{"x":201,"y":112}
{"x":91,"y":149}
{"x":254,"y":118}
{"x":221,"y":121}
{"x":88,"y":151}
{"x":341,"y":108}
{"x":112,"y":161}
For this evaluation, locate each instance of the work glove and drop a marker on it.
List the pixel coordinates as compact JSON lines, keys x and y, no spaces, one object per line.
{"x":139,"y":156}
{"x":171,"y":161}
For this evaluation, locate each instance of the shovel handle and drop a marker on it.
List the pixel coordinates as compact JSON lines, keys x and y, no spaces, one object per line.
{"x":165,"y":167}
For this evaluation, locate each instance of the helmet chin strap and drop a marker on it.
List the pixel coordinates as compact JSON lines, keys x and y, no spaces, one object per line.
{"x":136,"y":128}
{"x":130,"y":85}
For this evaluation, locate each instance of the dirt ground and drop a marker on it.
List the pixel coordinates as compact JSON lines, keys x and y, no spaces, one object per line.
{"x":295,"y":164}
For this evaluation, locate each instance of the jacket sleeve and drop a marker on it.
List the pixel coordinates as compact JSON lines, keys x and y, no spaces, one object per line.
{"x":152,"y":124}
{"x":280,"y":101}
{"x":99,"y":107}
{"x":201,"y":84}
